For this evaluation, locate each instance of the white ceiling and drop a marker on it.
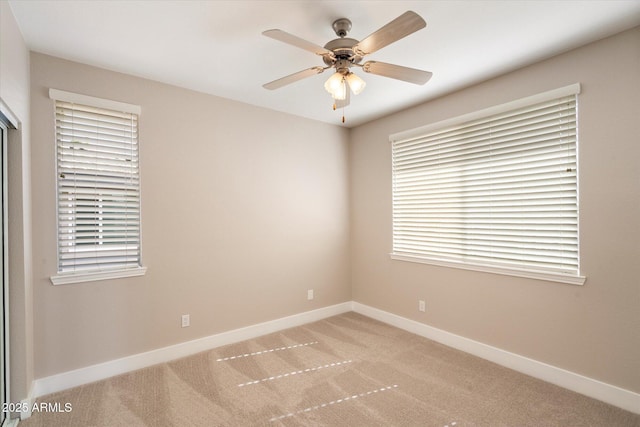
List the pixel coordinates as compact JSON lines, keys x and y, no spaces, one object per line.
{"x":216,"y":47}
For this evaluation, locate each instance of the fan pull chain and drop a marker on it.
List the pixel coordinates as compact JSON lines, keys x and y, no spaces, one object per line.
{"x":335,"y":107}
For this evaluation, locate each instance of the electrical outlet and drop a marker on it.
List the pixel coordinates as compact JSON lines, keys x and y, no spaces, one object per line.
{"x":421,"y":306}
{"x":185,"y":320}
{"x":310,"y":294}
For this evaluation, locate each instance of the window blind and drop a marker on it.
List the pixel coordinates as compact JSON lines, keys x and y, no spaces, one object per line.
{"x":98,"y":188}
{"x":498,"y":190}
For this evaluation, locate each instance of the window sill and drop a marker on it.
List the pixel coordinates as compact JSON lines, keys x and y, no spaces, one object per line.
{"x":68,"y":278}
{"x":529,"y":274}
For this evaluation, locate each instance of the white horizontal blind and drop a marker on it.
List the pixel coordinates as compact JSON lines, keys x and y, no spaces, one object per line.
{"x":98,"y":189}
{"x":495,"y":191}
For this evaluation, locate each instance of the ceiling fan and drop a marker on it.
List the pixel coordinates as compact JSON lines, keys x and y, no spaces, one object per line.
{"x":343,"y":53}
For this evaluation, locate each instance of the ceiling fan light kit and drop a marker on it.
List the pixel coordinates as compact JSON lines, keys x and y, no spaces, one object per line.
{"x":343,"y":53}
{"x":336,"y":86}
{"x":355,"y":83}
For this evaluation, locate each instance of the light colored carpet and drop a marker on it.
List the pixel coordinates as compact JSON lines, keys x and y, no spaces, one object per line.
{"x":346,"y":370}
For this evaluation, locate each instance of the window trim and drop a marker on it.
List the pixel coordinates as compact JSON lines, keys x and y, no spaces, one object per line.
{"x":573,"y":89}
{"x":68,"y":278}
{"x":529,"y":274}
{"x":108,"y":104}
{"x":63,"y":278}
{"x":578,"y":279}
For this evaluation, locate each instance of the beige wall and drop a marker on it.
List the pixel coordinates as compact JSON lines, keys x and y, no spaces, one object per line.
{"x":14,"y":93}
{"x":593,"y":330}
{"x":243,"y":210}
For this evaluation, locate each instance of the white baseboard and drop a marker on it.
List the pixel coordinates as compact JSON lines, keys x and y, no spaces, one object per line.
{"x":11,"y":422}
{"x":65,"y":380}
{"x":608,"y":393}
{"x":27,"y":403}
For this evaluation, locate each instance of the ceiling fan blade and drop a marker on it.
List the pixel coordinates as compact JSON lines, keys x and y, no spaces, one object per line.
{"x":296,"y":41}
{"x":405,"y":24}
{"x":276,"y":84}
{"x":406,"y":74}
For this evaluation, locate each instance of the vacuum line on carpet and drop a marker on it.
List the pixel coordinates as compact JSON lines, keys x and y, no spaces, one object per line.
{"x":302,"y":371}
{"x":257,"y":353}
{"x":333,"y":402}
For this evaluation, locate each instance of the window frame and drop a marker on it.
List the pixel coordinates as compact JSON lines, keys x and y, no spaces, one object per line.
{"x":89,"y":275}
{"x":519,"y":271}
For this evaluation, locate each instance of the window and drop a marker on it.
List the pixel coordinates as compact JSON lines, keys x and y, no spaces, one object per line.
{"x":493,"y":191}
{"x":98,"y":188}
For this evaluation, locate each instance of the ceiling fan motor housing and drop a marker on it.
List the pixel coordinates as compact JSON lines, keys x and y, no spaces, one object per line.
{"x":342,"y":48}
